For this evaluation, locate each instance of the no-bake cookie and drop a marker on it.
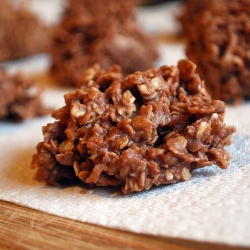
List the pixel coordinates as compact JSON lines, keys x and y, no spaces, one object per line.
{"x":22,"y":34}
{"x":103,"y":32}
{"x":217,"y":35}
{"x":148,"y":128}
{"x":19,"y":97}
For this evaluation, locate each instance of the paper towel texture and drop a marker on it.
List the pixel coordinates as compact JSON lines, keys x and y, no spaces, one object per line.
{"x":213,"y":206}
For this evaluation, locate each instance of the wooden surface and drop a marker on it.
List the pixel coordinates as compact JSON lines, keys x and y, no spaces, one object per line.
{"x":24,"y":228}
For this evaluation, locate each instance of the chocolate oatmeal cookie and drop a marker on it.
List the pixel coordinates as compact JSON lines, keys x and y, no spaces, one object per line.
{"x":19,"y":98}
{"x":22,"y":34}
{"x":148,"y":128}
{"x":217,"y":37}
{"x":103,"y":32}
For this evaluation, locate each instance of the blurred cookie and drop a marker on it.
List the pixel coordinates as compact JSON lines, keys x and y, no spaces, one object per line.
{"x":22,"y":34}
{"x":103,"y":32}
{"x":217,"y":37}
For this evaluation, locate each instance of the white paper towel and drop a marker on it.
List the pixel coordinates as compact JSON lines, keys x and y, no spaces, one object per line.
{"x":213,"y":206}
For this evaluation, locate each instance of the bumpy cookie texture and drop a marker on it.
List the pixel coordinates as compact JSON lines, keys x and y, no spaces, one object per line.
{"x":218,"y":40}
{"x":148,"y":128}
{"x":19,"y":98}
{"x":103,"y":32}
{"x":22,"y":34}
